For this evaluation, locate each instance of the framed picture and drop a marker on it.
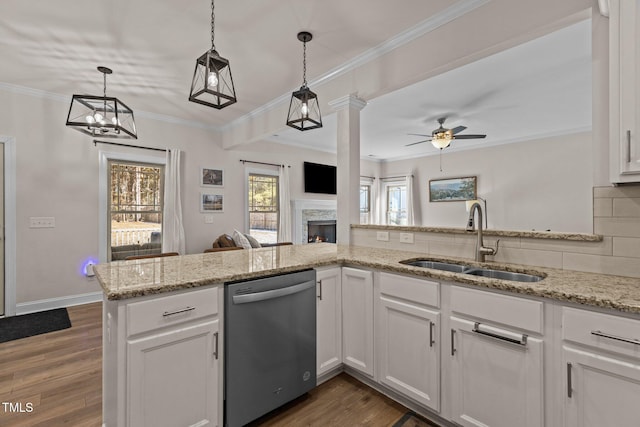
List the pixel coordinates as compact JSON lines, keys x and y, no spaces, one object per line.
{"x":210,"y":202}
{"x":452,"y":189}
{"x":211,"y":177}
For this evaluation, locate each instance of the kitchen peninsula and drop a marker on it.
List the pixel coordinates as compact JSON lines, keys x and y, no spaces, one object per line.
{"x":152,"y":305}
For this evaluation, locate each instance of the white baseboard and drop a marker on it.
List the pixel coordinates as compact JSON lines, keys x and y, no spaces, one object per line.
{"x":51,"y":303}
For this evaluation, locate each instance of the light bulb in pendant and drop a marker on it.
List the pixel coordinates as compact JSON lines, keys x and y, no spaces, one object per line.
{"x":90,"y":119}
{"x":212,"y":80}
{"x":115,"y":121}
{"x":98,"y":117}
{"x":304,"y":110}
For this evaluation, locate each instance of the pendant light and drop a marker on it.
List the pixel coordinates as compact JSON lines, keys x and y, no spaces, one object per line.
{"x":304,"y":110}
{"x":101,"y":115}
{"x":212,"y":84}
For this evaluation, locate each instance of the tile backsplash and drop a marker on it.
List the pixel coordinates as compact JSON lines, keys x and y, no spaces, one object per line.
{"x":616,"y":216}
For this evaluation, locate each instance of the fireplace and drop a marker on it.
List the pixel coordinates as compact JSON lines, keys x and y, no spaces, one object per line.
{"x":321,"y":231}
{"x":306,"y":211}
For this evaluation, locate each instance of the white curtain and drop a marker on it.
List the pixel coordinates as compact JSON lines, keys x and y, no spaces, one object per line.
{"x":375,"y":201}
{"x":284,"y":212}
{"x":410,"y":204}
{"x":172,"y":229}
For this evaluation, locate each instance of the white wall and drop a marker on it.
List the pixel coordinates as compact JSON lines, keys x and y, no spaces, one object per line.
{"x":540,"y":184}
{"x":57,"y":176}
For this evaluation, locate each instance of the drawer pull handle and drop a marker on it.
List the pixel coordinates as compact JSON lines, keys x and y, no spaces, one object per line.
{"x":569,"y":385}
{"x":172,"y":313}
{"x":522,"y":341}
{"x":614,"y":337}
{"x":320,"y":289}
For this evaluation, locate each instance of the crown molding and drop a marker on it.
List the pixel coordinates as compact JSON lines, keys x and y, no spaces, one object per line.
{"x":432,"y":23}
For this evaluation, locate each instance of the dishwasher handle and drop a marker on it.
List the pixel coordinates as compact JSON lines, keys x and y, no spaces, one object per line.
{"x":274,"y":293}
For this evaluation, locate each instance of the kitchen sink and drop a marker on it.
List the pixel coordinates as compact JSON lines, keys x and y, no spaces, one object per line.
{"x":474,"y":271}
{"x":504,"y":275}
{"x":437,"y":265}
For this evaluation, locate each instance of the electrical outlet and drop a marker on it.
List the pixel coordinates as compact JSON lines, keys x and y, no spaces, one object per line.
{"x":42,"y":222}
{"x":208,"y":219}
{"x":383,"y":236}
{"x":406,"y":237}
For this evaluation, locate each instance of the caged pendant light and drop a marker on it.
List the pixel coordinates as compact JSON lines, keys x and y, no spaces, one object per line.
{"x":101,"y":116}
{"x":304,"y":110}
{"x":212,"y":83}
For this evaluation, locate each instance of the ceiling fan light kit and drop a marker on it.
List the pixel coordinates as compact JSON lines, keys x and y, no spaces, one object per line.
{"x":442,"y":137}
{"x":304,"y":109}
{"x":212,"y":83}
{"x":101,"y":116}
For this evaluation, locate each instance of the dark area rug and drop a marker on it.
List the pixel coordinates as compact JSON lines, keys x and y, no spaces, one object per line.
{"x":28,"y":325}
{"x":411,"y":419}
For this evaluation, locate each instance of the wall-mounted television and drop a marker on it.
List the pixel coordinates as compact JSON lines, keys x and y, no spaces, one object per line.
{"x":319,"y":178}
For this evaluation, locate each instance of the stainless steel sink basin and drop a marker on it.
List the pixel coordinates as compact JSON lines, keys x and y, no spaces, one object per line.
{"x":437,"y":265}
{"x":474,"y":271}
{"x":504,"y":275}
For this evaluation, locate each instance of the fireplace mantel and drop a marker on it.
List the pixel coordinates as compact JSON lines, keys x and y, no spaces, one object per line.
{"x":300,"y":208}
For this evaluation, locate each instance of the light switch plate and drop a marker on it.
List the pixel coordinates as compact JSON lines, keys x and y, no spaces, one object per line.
{"x":383,"y":236}
{"x":42,"y":222}
{"x":208,"y":219}
{"x":406,"y":237}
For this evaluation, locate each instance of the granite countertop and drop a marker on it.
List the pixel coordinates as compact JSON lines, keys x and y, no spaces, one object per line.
{"x":129,"y":279}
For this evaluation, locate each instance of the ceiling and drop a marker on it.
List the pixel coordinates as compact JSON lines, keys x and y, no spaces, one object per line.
{"x":540,"y":88}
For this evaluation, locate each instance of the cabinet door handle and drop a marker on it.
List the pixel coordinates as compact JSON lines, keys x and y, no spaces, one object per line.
{"x":173,"y":313}
{"x":431,"y":340}
{"x":615,"y":337}
{"x":522,"y":341}
{"x":453,"y":344}
{"x":215,"y":348}
{"x":320,"y":289}
{"x":628,"y":146}
{"x":569,"y":386}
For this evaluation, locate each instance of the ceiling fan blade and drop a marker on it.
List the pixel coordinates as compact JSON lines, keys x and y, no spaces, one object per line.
{"x":419,"y":142}
{"x":418,"y":134}
{"x":469,"y":136}
{"x":458,"y":129}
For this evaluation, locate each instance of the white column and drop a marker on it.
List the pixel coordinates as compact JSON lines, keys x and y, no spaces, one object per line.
{"x":348,"y":173}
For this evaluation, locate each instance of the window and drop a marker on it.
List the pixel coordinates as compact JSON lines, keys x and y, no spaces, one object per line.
{"x":365,"y":204}
{"x":134,"y":209}
{"x":263,"y":207}
{"x":396,"y":204}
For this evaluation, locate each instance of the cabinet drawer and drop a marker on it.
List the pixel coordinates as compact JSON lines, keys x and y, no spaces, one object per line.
{"x":169,"y":310}
{"x":512,"y":311}
{"x":419,"y":291}
{"x":603,"y":331}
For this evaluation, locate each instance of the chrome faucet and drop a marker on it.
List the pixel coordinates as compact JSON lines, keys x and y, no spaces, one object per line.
{"x":481,"y":250}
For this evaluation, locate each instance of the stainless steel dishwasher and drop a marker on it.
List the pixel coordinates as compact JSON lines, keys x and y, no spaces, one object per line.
{"x":270,"y":344}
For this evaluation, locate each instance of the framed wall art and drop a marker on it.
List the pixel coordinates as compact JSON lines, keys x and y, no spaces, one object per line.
{"x":452,"y":189}
{"x":211,"y":177}
{"x":211,"y":202}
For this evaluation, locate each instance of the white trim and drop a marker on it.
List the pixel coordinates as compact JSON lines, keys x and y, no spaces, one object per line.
{"x":348,"y":101}
{"x":9,"y":224}
{"x":258,"y":171}
{"x":460,"y":8}
{"x":60,"y":302}
{"x":603,"y":5}
{"x":103,"y":182}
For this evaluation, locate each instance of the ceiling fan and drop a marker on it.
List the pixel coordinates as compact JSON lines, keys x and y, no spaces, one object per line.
{"x":442,"y":137}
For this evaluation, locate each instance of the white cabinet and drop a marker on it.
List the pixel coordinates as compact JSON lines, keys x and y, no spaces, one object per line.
{"x":624,"y":93}
{"x":357,"y":319}
{"x":329,"y":319}
{"x":173,"y":377}
{"x":162,"y":360}
{"x":408,"y":338}
{"x":601,"y":359}
{"x":496,"y":367}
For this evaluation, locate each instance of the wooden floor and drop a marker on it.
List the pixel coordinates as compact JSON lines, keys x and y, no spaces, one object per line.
{"x":60,"y":374}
